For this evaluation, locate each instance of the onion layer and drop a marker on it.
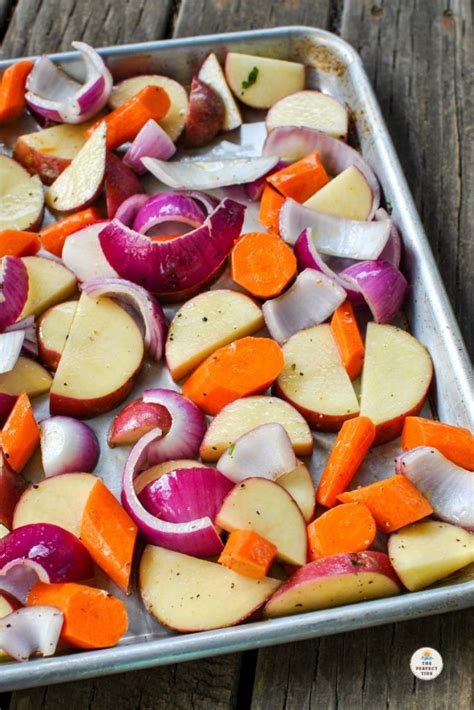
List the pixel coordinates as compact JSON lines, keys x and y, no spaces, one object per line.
{"x":168,"y":207}
{"x":381,"y":284}
{"x":67,"y":446}
{"x":152,"y":142}
{"x":130,"y":207}
{"x":13,"y":291}
{"x":83,"y":255}
{"x":393,"y":249}
{"x":31,"y":630}
{"x":10,"y":348}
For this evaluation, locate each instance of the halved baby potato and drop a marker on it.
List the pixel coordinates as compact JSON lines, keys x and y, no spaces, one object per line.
{"x":21,"y":197}
{"x":260,"y":81}
{"x":52,"y":331}
{"x":311,"y":109}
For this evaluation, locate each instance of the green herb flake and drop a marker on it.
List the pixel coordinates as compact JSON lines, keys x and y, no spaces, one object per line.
{"x":231,"y":449}
{"x":251,"y":79}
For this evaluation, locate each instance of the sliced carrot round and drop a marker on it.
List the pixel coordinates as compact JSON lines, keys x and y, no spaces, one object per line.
{"x":263,"y":264}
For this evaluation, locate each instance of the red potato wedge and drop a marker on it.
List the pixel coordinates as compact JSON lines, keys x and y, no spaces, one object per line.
{"x":299,"y":484}
{"x":11,"y":487}
{"x":208,"y":322}
{"x":395,"y":379}
{"x":335,"y":581}
{"x":52,"y":331}
{"x":21,"y":197}
{"x":49,"y":282}
{"x":260,"y":81}
{"x":261,"y":505}
{"x":103,"y":354}
{"x":135,"y":420}
{"x":245,"y":414}
{"x":211,"y":73}
{"x":311,"y":109}
{"x":315,"y":381}
{"x":188,"y":594}
{"x":206,"y":114}
{"x":120,"y":183}
{"x":48,"y":152}
{"x":27,"y":376}
{"x":81,"y":182}
{"x":174,"y":121}
{"x":347,"y":195}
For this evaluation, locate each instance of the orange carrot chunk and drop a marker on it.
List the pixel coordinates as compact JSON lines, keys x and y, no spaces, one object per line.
{"x":352,"y":443}
{"x":54,"y":235}
{"x":127,"y":120}
{"x":12,"y":90}
{"x":348,"y":339}
{"x":349,"y":527}
{"x":456,"y":443}
{"x":263,"y":264}
{"x":109,"y":534}
{"x":248,"y":553}
{"x":93,"y":618}
{"x":270,"y":206}
{"x":247,"y":366}
{"x":301,"y":179}
{"x":394,"y":502}
{"x":20,"y":435}
{"x":13,"y":243}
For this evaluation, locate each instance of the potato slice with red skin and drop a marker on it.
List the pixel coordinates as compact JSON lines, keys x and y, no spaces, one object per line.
{"x":206,"y":114}
{"x":52,"y":330}
{"x":21,"y":197}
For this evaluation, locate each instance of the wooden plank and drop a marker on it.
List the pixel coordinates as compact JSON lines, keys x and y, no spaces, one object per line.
{"x":419,"y":58}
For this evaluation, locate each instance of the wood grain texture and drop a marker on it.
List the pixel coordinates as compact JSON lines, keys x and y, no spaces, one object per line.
{"x":418,"y":55}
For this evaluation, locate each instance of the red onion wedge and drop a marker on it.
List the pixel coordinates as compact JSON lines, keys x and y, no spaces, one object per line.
{"x":188,"y":426}
{"x":13,"y":290}
{"x":448,"y":487}
{"x":31,"y":631}
{"x":83,"y":255}
{"x":168,"y":207}
{"x":186,"y":494}
{"x":57,"y":97}
{"x":393,"y":249}
{"x":335,"y":236}
{"x":197,"y":537}
{"x":151,"y":142}
{"x":254,"y":189}
{"x":67,"y":446}
{"x":30,"y":342}
{"x":174,"y":267}
{"x":208,"y":202}
{"x":141,"y":301}
{"x":381,"y":284}
{"x":136,"y":419}
{"x":210,"y":174}
{"x":263,"y":452}
{"x":10,"y":348}
{"x":120,"y":184}
{"x":17,"y":578}
{"x":293,"y":143}
{"x":310,"y":301}
{"x":130,"y":207}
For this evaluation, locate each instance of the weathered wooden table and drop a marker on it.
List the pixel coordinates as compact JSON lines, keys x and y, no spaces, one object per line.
{"x":418,"y":54}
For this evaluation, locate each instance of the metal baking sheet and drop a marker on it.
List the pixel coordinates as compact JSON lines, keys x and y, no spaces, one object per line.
{"x":336,"y":68}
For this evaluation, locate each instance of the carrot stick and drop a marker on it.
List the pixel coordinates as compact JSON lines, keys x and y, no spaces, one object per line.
{"x":109,"y":534}
{"x":454,"y":442}
{"x":93,"y":618}
{"x":352,"y":443}
{"x":348,"y":339}
{"x":270,"y":206}
{"x":248,"y":553}
{"x":394,"y":502}
{"x":247,"y":366}
{"x":20,"y":435}
{"x":54,"y":236}
{"x":263,"y":264}
{"x":13,"y":243}
{"x":349,"y":527}
{"x":12,"y":90}
{"x":301,"y":179}
{"x":127,"y":120}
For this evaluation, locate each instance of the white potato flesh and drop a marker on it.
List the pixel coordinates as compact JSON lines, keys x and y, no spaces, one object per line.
{"x":80,"y":183}
{"x":267,"y":80}
{"x":104,"y":350}
{"x":266,"y":508}
{"x":347,"y":195}
{"x":190,"y":594}
{"x":21,"y":196}
{"x":27,"y":376}
{"x":54,"y":327}
{"x":62,"y":141}
{"x":208,"y":322}
{"x":314,"y":376}
{"x":311,"y":109}
{"x":174,"y":121}
{"x":48,"y":283}
{"x":245,"y":414}
{"x":426,"y":552}
{"x":211,"y":74}
{"x":396,"y":375}
{"x":59,"y":500}
{"x":299,"y":484}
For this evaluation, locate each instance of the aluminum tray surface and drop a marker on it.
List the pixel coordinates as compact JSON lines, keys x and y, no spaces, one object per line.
{"x":334,"y":67}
